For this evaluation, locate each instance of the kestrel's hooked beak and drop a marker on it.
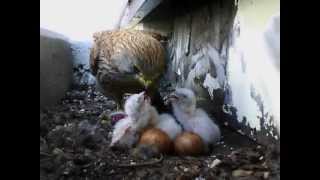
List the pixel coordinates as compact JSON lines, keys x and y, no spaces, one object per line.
{"x":146,"y":83}
{"x":171,"y":97}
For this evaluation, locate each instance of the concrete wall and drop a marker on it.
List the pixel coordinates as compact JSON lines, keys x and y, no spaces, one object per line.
{"x":55,"y":67}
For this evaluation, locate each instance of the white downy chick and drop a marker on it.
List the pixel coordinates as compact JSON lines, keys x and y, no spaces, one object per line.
{"x":123,"y":136}
{"x":193,"y":119}
{"x":140,"y":114}
{"x":138,"y":107}
{"x":168,"y":125}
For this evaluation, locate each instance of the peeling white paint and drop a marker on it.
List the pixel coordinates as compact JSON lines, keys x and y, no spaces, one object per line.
{"x":251,"y":49}
{"x":200,"y":69}
{"x":179,"y":72}
{"x":240,"y":87}
{"x":226,"y":109}
{"x":211,"y":84}
{"x":219,"y":63}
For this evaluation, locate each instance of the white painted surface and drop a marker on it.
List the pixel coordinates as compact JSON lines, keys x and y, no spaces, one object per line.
{"x":78,"y":20}
{"x":254,"y":63}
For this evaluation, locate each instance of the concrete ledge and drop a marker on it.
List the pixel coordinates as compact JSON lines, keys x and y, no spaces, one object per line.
{"x":55,"y":67}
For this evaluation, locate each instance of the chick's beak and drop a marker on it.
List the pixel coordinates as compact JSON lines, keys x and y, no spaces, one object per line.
{"x":143,"y":80}
{"x":171,"y":97}
{"x":146,"y":97}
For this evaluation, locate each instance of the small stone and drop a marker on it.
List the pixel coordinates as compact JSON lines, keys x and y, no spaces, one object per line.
{"x":215,"y":163}
{"x":57,"y":151}
{"x":264,"y":165}
{"x":200,"y":178}
{"x":183,"y":177}
{"x":266,"y":175}
{"x":261,"y":158}
{"x":185,"y":169}
{"x":241,"y":173}
{"x":142,"y":173}
{"x":241,"y":132}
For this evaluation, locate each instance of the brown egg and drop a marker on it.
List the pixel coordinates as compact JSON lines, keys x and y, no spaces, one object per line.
{"x":188,"y":144}
{"x":158,"y":138}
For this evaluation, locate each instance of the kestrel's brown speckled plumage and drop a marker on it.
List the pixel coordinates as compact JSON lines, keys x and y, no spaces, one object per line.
{"x":126,"y":61}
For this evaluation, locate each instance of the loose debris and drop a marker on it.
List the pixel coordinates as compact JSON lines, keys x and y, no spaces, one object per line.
{"x":75,"y":135}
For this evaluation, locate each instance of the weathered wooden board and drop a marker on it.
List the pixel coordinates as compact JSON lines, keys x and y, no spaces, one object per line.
{"x":200,"y":51}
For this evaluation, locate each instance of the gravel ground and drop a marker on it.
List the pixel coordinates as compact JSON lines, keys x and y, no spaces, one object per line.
{"x":75,"y":134}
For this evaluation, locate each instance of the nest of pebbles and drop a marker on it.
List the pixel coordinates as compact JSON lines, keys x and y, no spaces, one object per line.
{"x":75,"y":135}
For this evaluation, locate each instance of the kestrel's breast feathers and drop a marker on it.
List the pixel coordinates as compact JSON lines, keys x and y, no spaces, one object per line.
{"x":134,"y":48}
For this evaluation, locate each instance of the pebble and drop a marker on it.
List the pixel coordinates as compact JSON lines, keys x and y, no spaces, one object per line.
{"x":241,"y":132}
{"x":200,"y":178}
{"x":215,"y":163}
{"x":241,"y":173}
{"x":57,"y":151}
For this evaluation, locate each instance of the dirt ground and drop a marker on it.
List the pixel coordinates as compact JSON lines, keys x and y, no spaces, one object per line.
{"x":75,"y":135}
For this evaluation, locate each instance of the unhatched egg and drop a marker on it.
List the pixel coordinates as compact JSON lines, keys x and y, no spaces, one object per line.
{"x":188,"y":144}
{"x":158,"y":138}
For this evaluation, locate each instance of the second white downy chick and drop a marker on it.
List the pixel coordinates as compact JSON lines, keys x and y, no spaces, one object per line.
{"x":193,"y":119}
{"x":168,"y":124}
